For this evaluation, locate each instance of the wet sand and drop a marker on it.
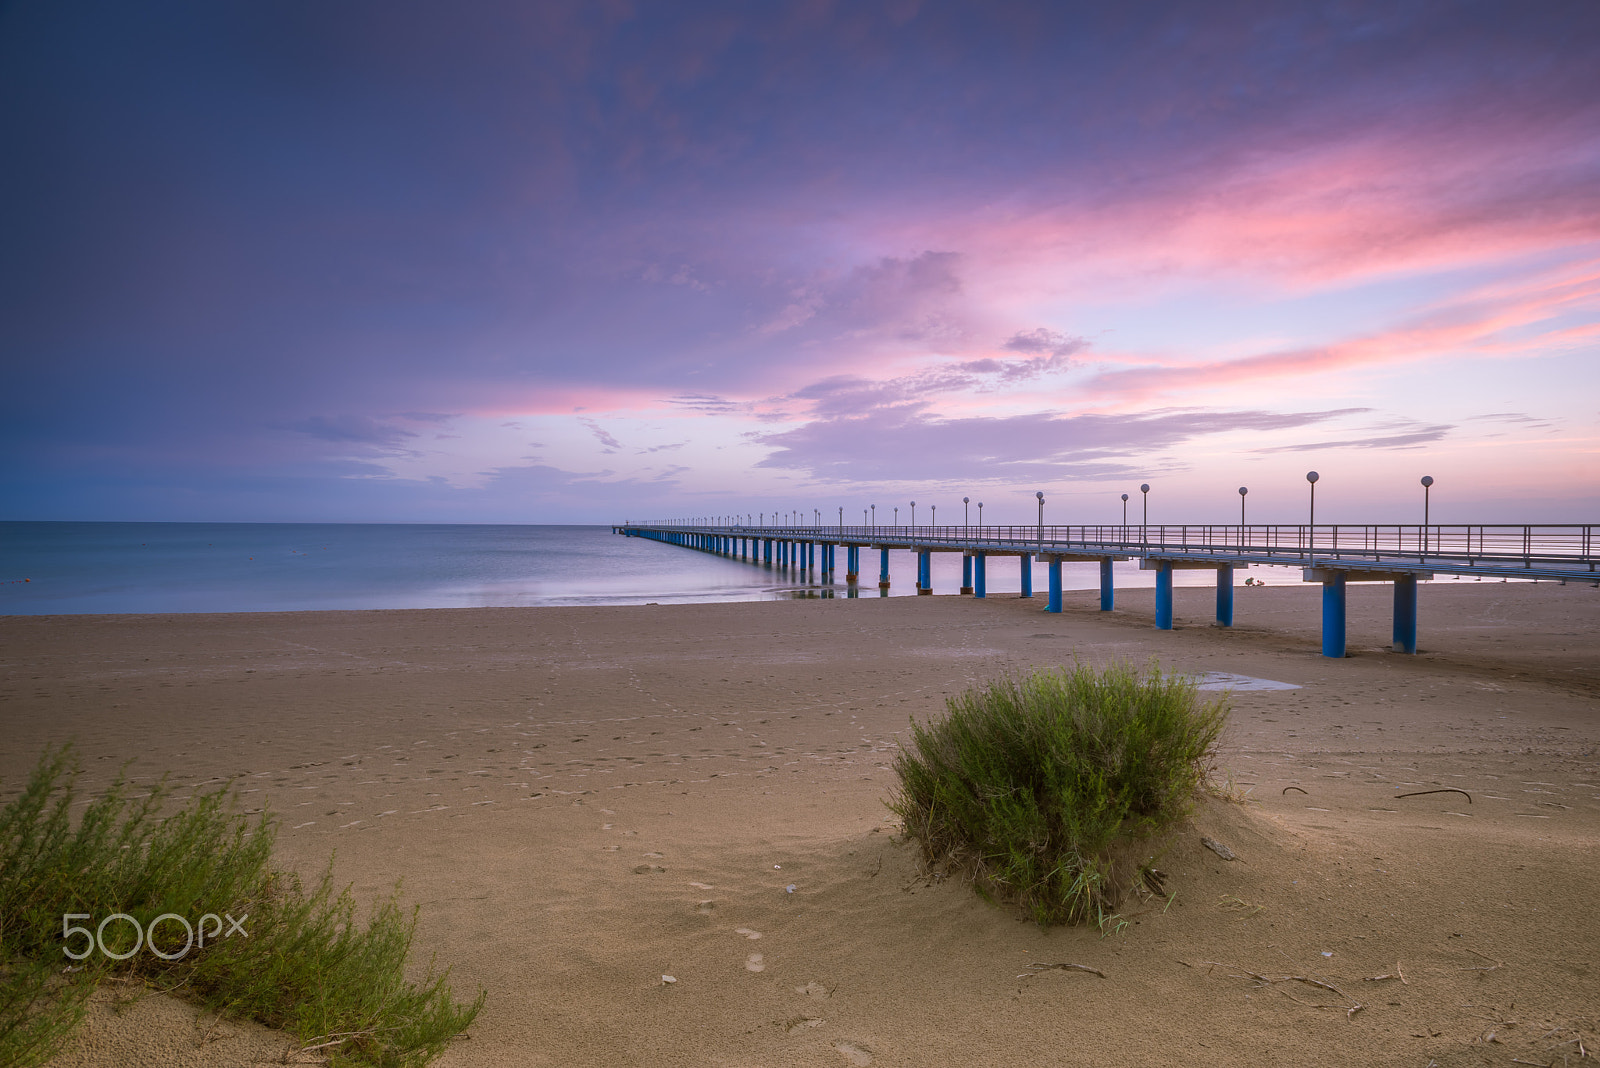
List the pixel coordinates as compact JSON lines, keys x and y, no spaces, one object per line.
{"x":583,"y":800}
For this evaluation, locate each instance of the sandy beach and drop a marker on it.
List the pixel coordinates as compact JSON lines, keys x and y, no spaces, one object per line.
{"x":583,"y":800}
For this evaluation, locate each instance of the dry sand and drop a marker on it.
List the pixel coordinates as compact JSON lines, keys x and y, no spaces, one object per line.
{"x":585,"y":800}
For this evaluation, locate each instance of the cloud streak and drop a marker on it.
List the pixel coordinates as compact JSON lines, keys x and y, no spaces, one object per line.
{"x":907,"y":444}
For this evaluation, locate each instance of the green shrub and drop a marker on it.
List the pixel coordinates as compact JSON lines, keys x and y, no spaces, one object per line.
{"x":1039,"y":787}
{"x":305,"y":964}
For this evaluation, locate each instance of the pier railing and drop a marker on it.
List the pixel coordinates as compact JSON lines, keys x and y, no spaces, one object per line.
{"x":1474,"y":546}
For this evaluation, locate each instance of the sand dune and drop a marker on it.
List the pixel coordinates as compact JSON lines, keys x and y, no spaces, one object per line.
{"x":584,"y":801}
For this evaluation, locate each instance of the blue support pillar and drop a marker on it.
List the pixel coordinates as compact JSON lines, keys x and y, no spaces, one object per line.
{"x":1405,"y":614}
{"x":883,"y":569}
{"x":1027,"y":574}
{"x":1108,"y":591}
{"x":811,"y":557}
{"x":1333,"y":616}
{"x":852,"y":564}
{"x":980,"y":575}
{"x":966,"y":572}
{"x":1163,"y":595}
{"x":1225,"y":595}
{"x":766,"y":550}
{"x":925,"y":572}
{"x":1053,"y":604}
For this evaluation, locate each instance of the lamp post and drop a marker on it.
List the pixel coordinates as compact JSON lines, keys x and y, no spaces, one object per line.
{"x":1124,"y":517}
{"x":934,"y":508}
{"x":980,"y":517}
{"x":1144,"y":527}
{"x":1427,"y":485}
{"x":1242,"y":491}
{"x":1311,"y":477}
{"x":896,"y":515}
{"x":913,"y":515}
{"x":841,"y":520}
{"x":1040,"y":495}
{"x":966,"y":518}
{"x":874,"y":518}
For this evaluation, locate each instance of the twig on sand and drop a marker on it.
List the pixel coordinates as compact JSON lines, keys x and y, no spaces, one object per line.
{"x":1272,"y":980}
{"x":1070,"y":967}
{"x":1286,"y":789}
{"x":1396,"y":974}
{"x":1481,"y":968}
{"x":337,"y":1038}
{"x":1445,"y":790}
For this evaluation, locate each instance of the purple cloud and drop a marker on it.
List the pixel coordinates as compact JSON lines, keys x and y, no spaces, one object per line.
{"x":601,"y":434}
{"x":905,"y":443}
{"x":352,"y":429}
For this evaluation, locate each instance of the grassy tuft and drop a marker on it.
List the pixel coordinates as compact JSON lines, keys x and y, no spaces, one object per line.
{"x":1040,"y":786}
{"x":305,"y":964}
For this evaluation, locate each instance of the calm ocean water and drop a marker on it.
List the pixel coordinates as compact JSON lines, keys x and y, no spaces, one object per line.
{"x":64,"y":568}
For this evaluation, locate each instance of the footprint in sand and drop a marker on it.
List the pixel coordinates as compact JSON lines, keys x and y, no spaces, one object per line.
{"x":795,"y":1023}
{"x":704,"y":907}
{"x":813,"y":989}
{"x":649,"y":869}
{"x":854,"y":1052}
{"x":752,"y":935}
{"x":753,"y":963}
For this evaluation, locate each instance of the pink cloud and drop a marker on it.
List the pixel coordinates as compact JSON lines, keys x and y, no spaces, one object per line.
{"x":1399,"y":201}
{"x":1480,"y":323}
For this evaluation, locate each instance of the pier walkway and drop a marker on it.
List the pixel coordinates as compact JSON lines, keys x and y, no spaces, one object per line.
{"x":1332,"y":555}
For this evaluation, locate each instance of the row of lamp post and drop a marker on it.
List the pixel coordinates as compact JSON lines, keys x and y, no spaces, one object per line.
{"x":869,"y":515}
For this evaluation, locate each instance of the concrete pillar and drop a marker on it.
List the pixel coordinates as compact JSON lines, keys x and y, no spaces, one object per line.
{"x":966,"y":572}
{"x":1027,"y":574}
{"x":1225,"y":595}
{"x":980,"y":575}
{"x":1163,"y":595}
{"x":1108,"y":591}
{"x":1333,"y":616}
{"x":852,"y":563}
{"x":1053,"y":604}
{"x":925,"y":572}
{"x":883,"y":569}
{"x":1405,"y":614}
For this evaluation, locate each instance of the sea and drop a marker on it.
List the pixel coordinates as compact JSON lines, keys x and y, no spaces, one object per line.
{"x":94,"y":568}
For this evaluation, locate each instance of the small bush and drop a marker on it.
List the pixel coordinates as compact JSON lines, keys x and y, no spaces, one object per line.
{"x":305,"y":964}
{"x":1038,"y":786}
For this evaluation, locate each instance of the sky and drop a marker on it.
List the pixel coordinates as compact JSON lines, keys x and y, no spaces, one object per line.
{"x":586,"y":262}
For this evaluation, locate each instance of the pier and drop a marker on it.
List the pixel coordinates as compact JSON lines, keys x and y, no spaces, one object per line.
{"x":1332,"y":555}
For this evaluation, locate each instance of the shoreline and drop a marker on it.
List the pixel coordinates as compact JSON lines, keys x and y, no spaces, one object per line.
{"x":584,"y":799}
